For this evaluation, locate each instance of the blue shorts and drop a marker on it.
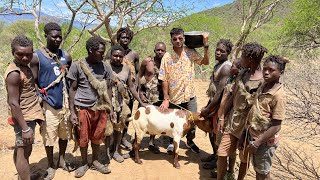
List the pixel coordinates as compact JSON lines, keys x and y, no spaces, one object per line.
{"x":262,"y":159}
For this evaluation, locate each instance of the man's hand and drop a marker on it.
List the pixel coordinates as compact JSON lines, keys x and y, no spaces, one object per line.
{"x":205,"y":39}
{"x":204,"y":112}
{"x":28,"y":137}
{"x":143,"y":104}
{"x":74,"y":119}
{"x":165,"y":104}
{"x":253,"y":147}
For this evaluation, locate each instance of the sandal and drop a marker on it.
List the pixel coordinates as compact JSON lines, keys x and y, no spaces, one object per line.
{"x":154,"y":148}
{"x":117,"y":157}
{"x":81,"y":171}
{"x":210,"y":165}
{"x":208,"y":158}
{"x":96,"y":165}
{"x":126,"y":156}
{"x":68,"y":167}
{"x":50,"y":172}
{"x":126,"y":144}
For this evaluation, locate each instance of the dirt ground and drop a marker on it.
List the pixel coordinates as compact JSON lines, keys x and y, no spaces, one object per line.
{"x":155,"y":166}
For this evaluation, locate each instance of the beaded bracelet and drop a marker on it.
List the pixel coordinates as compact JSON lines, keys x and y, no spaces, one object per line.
{"x":25,"y":131}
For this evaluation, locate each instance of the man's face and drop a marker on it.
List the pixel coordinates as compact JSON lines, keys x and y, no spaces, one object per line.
{"x":23,"y":55}
{"x":245,"y":62}
{"x":160,"y":50}
{"x":54,"y":38}
{"x":177,"y":40}
{"x":221,"y":53}
{"x":117,"y":57}
{"x":98,"y":55}
{"x":124,"y":40}
{"x":271,"y":72}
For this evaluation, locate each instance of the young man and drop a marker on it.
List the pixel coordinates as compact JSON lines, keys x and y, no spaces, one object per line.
{"x":24,"y":107}
{"x":266,"y":116}
{"x":219,"y":78}
{"x":149,"y":82}
{"x":159,"y":50}
{"x":88,"y":79}
{"x":131,"y":59}
{"x":176,"y":72}
{"x":122,"y":74}
{"x":48,"y":65}
{"x":247,"y":83}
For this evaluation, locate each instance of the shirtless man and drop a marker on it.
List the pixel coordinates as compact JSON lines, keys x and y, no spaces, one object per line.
{"x":219,"y":78}
{"x":159,"y":50}
{"x":131,"y":59}
{"x":123,"y":73}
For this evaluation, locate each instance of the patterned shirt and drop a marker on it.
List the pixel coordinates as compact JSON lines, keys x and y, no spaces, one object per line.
{"x":178,"y":72}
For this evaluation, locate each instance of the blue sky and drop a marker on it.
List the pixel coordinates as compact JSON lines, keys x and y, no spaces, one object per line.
{"x":199,"y":5}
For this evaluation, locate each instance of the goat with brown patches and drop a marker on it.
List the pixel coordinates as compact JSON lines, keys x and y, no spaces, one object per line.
{"x":174,"y":123}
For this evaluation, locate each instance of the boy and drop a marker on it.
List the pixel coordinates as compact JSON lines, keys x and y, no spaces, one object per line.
{"x":122,"y":75}
{"x":266,"y":116}
{"x":219,"y":78}
{"x":48,"y":65}
{"x":246,"y":84}
{"x":24,"y":107}
{"x":88,"y":104}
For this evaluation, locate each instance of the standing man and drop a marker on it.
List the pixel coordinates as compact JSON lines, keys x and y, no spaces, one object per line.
{"x":24,"y":108}
{"x":131,"y":59}
{"x":49,"y":69}
{"x":220,"y":74}
{"x":90,"y":102}
{"x":176,"y":72}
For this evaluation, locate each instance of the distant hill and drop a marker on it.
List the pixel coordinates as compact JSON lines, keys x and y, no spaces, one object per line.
{"x":11,"y":18}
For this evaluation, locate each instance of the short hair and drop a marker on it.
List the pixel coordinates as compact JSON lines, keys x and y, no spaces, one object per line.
{"x":254,"y":50}
{"x":116,"y":48}
{"x":21,"y":40}
{"x":92,"y":44}
{"x":280,"y":61}
{"x":176,"y":31}
{"x":126,"y":30}
{"x":227,"y":43}
{"x":51,"y":26}
{"x":158,"y":43}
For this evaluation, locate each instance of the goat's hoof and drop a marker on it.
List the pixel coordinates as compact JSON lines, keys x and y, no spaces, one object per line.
{"x":138,"y":161}
{"x":176,"y":165}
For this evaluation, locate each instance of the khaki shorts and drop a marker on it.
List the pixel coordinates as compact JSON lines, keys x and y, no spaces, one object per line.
{"x":228,"y":145}
{"x":53,"y":127}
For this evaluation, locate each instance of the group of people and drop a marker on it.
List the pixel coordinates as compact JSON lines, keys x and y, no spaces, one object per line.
{"x":90,"y":100}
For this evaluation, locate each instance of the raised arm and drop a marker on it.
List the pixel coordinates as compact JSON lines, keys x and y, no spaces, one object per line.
{"x":206,"y":55}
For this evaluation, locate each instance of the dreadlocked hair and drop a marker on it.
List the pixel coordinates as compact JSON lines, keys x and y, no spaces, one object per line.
{"x":254,"y":50}
{"x":21,"y":40}
{"x":280,"y":61}
{"x":51,"y":26}
{"x":227,"y":43}
{"x":126,"y":30}
{"x":176,"y":31}
{"x":93,"y":43}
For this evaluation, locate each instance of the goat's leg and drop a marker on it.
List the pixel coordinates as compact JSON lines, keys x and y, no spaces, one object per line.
{"x":176,"y":142}
{"x":136,"y":150}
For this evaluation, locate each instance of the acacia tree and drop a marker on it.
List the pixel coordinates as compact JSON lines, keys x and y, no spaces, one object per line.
{"x":302,"y":26}
{"x":109,"y":14}
{"x":255,"y":13}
